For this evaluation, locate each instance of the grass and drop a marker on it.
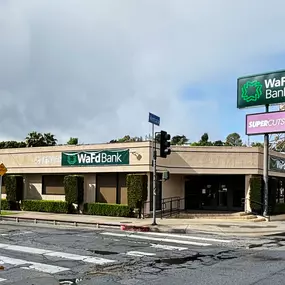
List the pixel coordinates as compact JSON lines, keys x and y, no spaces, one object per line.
{"x":5,"y":213}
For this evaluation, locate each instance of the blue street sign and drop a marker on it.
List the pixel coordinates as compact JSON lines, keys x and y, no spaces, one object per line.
{"x":154,"y":119}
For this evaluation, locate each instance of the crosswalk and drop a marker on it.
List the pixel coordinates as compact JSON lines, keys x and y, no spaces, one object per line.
{"x":46,"y":260}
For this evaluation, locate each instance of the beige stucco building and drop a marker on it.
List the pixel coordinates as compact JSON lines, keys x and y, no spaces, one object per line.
{"x":202,"y":177}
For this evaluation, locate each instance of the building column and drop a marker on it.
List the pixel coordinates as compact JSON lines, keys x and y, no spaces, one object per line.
{"x":149,"y":185}
{"x":247,"y":207}
{"x":90,"y":188}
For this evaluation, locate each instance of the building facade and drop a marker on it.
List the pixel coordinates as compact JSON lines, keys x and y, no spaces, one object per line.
{"x":210,"y":178}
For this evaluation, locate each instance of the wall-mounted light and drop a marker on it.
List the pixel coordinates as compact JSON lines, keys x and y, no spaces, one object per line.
{"x":137,"y":155}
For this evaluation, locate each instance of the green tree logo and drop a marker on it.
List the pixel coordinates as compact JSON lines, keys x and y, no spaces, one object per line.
{"x":72,"y":159}
{"x":251,"y":96}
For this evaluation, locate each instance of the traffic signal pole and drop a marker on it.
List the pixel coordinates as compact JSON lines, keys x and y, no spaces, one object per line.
{"x":154,"y":177}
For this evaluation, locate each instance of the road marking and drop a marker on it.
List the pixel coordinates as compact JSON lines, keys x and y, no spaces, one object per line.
{"x":2,"y":279}
{"x":16,"y":234}
{"x":139,"y":253}
{"x":168,"y":247}
{"x":52,"y":269}
{"x":89,"y":259}
{"x":157,"y":239}
{"x":186,"y":237}
{"x":33,"y":250}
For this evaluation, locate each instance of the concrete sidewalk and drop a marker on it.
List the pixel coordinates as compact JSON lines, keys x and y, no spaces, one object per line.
{"x":211,"y":226}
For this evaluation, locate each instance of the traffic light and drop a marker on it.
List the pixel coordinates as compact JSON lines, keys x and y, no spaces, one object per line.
{"x":164,"y":144}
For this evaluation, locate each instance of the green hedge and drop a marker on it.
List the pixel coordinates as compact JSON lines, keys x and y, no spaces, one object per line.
{"x":74,"y":189}
{"x":45,"y":206}
{"x":14,"y":188}
{"x":255,"y":195}
{"x":4,"y":204}
{"x":137,"y":190}
{"x":103,"y":209}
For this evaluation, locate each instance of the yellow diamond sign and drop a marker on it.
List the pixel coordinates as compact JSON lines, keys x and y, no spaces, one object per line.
{"x":3,"y":169}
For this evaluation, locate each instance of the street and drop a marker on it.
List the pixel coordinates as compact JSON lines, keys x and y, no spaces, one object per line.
{"x":54,"y":255}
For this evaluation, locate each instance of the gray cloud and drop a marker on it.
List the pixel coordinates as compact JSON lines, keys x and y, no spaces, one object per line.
{"x":94,"y":69}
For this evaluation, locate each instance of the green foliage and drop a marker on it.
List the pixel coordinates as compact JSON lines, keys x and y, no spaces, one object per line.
{"x":257,"y":144}
{"x":4,"y":204}
{"x":35,"y":139}
{"x":12,"y":144}
{"x":127,"y":138}
{"x":255,"y":195}
{"x":204,"y":141}
{"x":233,"y":140}
{"x":179,"y":140}
{"x":14,"y":190}
{"x":73,"y":141}
{"x":137,"y":190}
{"x":74,"y":189}
{"x":45,"y":206}
{"x":103,"y":209}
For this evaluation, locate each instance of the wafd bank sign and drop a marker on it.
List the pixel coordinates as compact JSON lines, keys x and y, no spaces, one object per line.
{"x":261,"y":89}
{"x":95,"y":158}
{"x":265,"y":123}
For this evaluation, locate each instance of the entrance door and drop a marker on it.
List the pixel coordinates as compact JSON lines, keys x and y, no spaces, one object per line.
{"x":192,"y":195}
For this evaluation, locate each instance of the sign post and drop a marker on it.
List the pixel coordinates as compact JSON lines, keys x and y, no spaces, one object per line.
{"x":257,"y":90}
{"x":265,"y":168}
{"x":154,"y":120}
{"x":3,"y":171}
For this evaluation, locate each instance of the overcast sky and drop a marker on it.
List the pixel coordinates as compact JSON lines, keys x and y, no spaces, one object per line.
{"x":94,"y":69}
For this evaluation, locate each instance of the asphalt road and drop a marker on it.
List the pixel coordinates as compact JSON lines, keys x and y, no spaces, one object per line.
{"x":52,"y":255}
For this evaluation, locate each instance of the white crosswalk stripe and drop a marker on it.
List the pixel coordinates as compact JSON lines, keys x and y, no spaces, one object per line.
{"x":139,"y":253}
{"x":33,"y":250}
{"x":167,"y":240}
{"x":32,"y":265}
{"x":168,"y":247}
{"x":186,"y":237}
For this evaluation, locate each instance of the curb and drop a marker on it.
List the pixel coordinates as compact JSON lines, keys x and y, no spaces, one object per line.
{"x":135,"y":228}
{"x":58,"y":222}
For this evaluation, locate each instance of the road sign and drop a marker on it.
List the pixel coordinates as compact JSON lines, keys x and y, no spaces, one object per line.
{"x":261,"y":89}
{"x":154,"y":119}
{"x":3,"y":169}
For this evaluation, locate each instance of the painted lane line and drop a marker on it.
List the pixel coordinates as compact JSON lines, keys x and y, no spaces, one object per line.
{"x":33,"y":250}
{"x":16,"y":234}
{"x":168,"y":247}
{"x":89,"y":259}
{"x":157,"y":239}
{"x":186,"y":237}
{"x":139,"y":253}
{"x":51,"y":269}
{"x":2,"y":279}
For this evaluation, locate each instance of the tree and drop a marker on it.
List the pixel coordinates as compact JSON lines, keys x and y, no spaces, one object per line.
{"x":73,"y":141}
{"x":256,"y":144}
{"x":204,"y":141}
{"x":218,"y":143}
{"x":233,"y":140}
{"x":127,"y":138}
{"x":49,"y":139}
{"x":179,"y":140}
{"x":35,"y":139}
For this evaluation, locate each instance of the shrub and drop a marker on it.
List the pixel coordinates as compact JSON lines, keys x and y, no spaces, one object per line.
{"x":103,"y":209}
{"x":255,"y":195}
{"x":45,"y":206}
{"x":74,"y":189}
{"x":4,"y":204}
{"x":137,"y":190}
{"x":14,"y":190}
